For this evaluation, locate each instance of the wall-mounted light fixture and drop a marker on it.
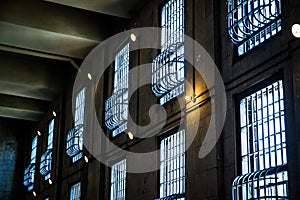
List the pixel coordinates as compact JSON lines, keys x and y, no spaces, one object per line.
{"x":54,"y":113}
{"x":89,"y":76}
{"x":191,"y":98}
{"x":39,"y":133}
{"x":130,"y":135}
{"x":34,"y":193}
{"x":86,"y":159}
{"x":133,"y":37}
{"x":296,"y":30}
{"x":50,"y":181}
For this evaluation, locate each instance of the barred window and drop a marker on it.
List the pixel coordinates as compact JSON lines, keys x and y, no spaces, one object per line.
{"x":263,"y":145}
{"x":30,"y":170}
{"x":118,"y":181}
{"x":116,"y":107}
{"x":172,"y":167}
{"x":168,"y":66}
{"x":251,"y":22}
{"x":75,"y":135}
{"x":75,"y":191}
{"x":46,"y":158}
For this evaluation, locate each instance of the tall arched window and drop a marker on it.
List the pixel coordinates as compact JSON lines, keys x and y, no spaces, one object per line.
{"x":263,"y":152}
{"x":46,"y":158}
{"x":168,"y":66}
{"x":30,"y":170}
{"x":116,"y":106}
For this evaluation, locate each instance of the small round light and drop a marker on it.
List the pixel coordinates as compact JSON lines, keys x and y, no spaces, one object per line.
{"x":39,"y":133}
{"x":132,"y":37}
{"x":54,"y":113}
{"x":90,"y":76}
{"x":296,"y":30}
{"x":50,"y":181}
{"x":34,"y":194}
{"x":130,"y":135}
{"x":86,"y":159}
{"x":188,"y":98}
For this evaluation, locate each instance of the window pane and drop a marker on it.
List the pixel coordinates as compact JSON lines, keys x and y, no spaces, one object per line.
{"x":263,"y":146}
{"x":116,"y":107}
{"x":75,"y":191}
{"x":250,"y":23}
{"x":172,"y":166}
{"x":118,"y":181}
{"x":168,"y":67}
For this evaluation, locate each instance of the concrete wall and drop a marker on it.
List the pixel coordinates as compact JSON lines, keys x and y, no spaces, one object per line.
{"x":13,"y":135}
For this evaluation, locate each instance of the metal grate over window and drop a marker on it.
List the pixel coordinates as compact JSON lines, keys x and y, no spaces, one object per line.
{"x":75,"y":191}
{"x":263,"y":146}
{"x":46,"y":158}
{"x":251,"y":22}
{"x":116,"y":107}
{"x":172,"y":166}
{"x":118,"y":181}
{"x":75,"y":135}
{"x":30,"y":170}
{"x":168,"y":67}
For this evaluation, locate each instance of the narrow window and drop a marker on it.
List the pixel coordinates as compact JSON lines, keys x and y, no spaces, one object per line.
{"x":116,"y":107}
{"x":168,"y":66}
{"x":30,"y":170}
{"x":75,"y":135}
{"x":118,"y":181}
{"x":172,"y":167}
{"x":46,"y":158}
{"x":250,"y":23}
{"x":263,"y":146}
{"x":75,"y":191}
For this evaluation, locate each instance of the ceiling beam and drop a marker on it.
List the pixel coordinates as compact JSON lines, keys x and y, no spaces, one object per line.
{"x":22,"y":108}
{"x":32,"y":77}
{"x":45,"y":41}
{"x":38,"y":54}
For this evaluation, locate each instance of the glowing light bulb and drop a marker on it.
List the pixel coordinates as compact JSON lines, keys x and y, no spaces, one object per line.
{"x":130,"y":135}
{"x":86,"y":159}
{"x":132,"y":37}
{"x":90,"y":76}
{"x":296,"y":30}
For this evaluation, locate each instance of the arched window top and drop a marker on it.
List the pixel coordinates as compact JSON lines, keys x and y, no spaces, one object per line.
{"x":251,"y":22}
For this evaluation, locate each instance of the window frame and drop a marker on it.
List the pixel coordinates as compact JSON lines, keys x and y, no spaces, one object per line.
{"x":49,"y":151}
{"x":118,"y":162}
{"x":77,"y":126}
{"x":161,"y":137}
{"x":265,"y":32}
{"x":32,"y":164}
{"x":117,"y":130}
{"x":240,"y":96}
{"x":73,"y":185}
{"x":170,"y":94}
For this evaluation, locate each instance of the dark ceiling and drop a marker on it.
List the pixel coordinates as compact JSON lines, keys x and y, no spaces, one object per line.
{"x":42,"y":42}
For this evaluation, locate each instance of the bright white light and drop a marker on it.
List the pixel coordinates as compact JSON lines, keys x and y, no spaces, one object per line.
{"x":54,"y":113}
{"x":39,"y":133}
{"x":188,"y":98}
{"x":132,"y":37}
{"x":296,"y":30}
{"x":50,"y":182}
{"x":90,"y":76}
{"x":33,"y":192}
{"x":130,"y":135}
{"x":86,"y":159}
